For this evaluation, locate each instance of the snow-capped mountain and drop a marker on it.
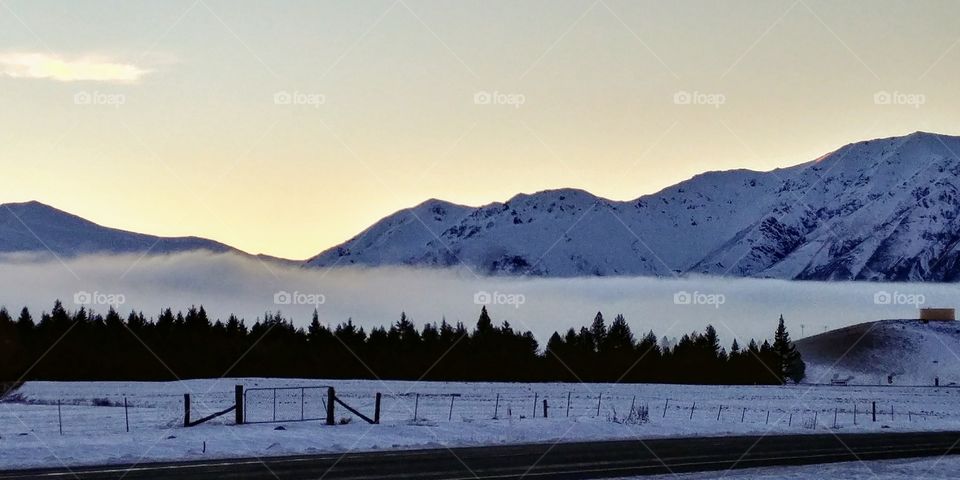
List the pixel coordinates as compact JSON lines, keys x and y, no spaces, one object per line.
{"x":881,"y":209}
{"x":38,"y":228}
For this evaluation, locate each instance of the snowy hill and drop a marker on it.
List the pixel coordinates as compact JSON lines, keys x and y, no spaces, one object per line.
{"x":38,"y":228}
{"x":912,"y":351}
{"x":875,"y":210}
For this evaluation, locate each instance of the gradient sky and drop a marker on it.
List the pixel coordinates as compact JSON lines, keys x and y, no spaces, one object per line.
{"x":161,"y":116}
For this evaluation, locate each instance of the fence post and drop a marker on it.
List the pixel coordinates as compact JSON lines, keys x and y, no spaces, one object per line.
{"x":126,"y":414}
{"x":568,"y":404}
{"x":544,"y":408}
{"x":450,"y":416}
{"x":874,"y":411}
{"x":891,"y":412}
{"x":535,"y":397}
{"x":238,"y":402}
{"x":599,"y":400}
{"x":331,"y":398}
{"x":692,"y":408}
{"x":767,"y":422}
{"x":854,"y":413}
{"x":416,"y":407}
{"x":667,"y":402}
{"x":59,"y":417}
{"x":718,"y":412}
{"x":376,"y":410}
{"x":790,"y":421}
{"x":496,"y":407}
{"x":274,"y":404}
{"x":744,"y":414}
{"x":186,"y":409}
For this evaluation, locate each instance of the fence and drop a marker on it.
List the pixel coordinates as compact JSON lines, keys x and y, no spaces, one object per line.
{"x":756,"y":408}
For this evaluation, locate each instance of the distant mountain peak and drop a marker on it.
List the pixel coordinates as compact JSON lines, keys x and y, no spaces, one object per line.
{"x":880,"y":209}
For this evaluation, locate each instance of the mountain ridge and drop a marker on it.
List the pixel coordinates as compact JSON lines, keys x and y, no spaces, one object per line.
{"x":881,"y":209}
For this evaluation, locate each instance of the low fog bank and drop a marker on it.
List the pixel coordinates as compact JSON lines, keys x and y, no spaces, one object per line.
{"x":226,"y":283}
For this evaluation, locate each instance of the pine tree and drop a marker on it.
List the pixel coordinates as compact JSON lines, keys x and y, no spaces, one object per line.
{"x":790,"y":365}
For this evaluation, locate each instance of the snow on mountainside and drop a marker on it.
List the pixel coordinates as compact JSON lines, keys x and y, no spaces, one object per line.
{"x":38,"y":228}
{"x":881,"y":209}
{"x":913,"y":352}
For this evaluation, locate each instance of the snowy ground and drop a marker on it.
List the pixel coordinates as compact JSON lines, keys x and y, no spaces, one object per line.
{"x":908,"y":469}
{"x":30,"y":425}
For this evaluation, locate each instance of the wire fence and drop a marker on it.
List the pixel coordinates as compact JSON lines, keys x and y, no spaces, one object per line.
{"x":825,"y":408}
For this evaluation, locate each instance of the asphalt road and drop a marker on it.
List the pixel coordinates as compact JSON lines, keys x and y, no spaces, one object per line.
{"x":543,"y":461}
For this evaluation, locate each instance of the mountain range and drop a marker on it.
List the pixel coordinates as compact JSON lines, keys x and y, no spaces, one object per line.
{"x":883,"y":209}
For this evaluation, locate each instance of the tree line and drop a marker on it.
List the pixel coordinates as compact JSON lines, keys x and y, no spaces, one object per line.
{"x":82,"y":345}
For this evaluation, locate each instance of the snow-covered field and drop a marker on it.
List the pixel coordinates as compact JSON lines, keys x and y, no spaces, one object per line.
{"x":30,"y":423}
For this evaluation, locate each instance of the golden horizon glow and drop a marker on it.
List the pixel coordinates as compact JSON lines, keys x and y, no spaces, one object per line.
{"x":286,"y":130}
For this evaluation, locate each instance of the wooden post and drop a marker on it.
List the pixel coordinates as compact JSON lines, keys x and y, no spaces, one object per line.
{"x":238,"y":402}
{"x":767,"y":422}
{"x":718,"y":412}
{"x":496,"y":407}
{"x":692,"y":408}
{"x":126,"y":414}
{"x":667,"y":402}
{"x":376,"y":410}
{"x":568,"y":404}
{"x":891,"y":412}
{"x":416,"y":407}
{"x":743,"y":414}
{"x":874,"y":411}
{"x":854,"y":413}
{"x":450,"y":417}
{"x":59,"y":417}
{"x":274,"y":404}
{"x":599,"y":400}
{"x":186,"y":409}
{"x":790,"y":420}
{"x":535,"y":397}
{"x":331,"y":399}
{"x":544,"y":408}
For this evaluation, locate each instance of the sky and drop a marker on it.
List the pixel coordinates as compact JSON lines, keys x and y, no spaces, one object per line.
{"x":288,"y":127}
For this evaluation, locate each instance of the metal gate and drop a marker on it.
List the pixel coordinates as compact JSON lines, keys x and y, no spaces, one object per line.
{"x":285,"y":404}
